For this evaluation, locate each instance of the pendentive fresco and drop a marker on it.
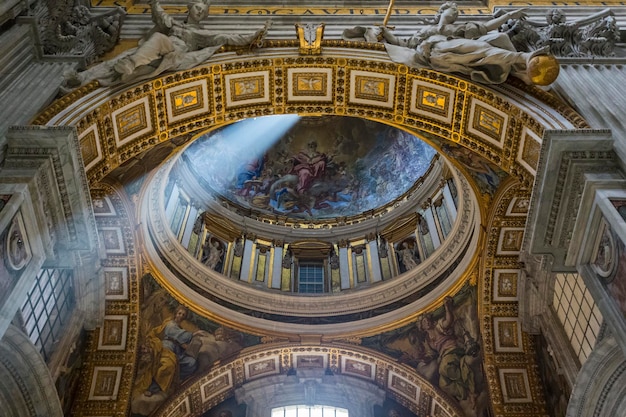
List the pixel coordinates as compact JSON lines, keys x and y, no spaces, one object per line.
{"x":444,"y":346}
{"x":175,"y":345}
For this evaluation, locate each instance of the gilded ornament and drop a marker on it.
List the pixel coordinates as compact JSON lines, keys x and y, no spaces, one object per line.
{"x":543,"y":69}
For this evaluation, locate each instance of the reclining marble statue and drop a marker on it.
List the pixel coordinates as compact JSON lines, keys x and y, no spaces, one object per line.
{"x":170,"y":45}
{"x":473,"y":49}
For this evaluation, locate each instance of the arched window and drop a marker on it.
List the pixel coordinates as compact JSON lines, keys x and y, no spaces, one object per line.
{"x":309,"y":411}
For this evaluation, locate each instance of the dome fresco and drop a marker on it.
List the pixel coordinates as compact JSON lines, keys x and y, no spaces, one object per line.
{"x":309,"y":167}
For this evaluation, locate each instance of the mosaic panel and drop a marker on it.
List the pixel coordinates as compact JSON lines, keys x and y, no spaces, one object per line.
{"x":132,"y":121}
{"x":309,"y":84}
{"x":113,"y":240}
{"x":402,"y":386}
{"x":187,"y":100}
{"x":529,"y":150}
{"x":90,"y":146}
{"x":433,"y":102}
{"x":105,"y":383}
{"x":487,"y":122}
{"x":267,"y":366}
{"x":371,"y":88}
{"x":102,"y":206}
{"x":505,"y":284}
{"x":183,"y":409}
{"x":351,"y":366}
{"x":437,"y":410}
{"x":116,"y":283}
{"x":247,"y":88}
{"x":515,"y":385}
{"x":113,"y":333}
{"x":217,"y":385}
{"x":510,"y":241}
{"x":508,"y":334}
{"x":518,"y":206}
{"x":301,"y":361}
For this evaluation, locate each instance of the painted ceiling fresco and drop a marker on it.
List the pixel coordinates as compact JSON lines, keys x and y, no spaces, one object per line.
{"x":309,"y":167}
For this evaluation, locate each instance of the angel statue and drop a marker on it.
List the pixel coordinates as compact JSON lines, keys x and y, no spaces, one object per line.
{"x":171,"y":45}
{"x":473,"y":49}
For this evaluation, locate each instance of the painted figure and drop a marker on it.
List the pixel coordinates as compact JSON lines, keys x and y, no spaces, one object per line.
{"x":174,"y":340}
{"x":170,"y":45}
{"x":453,"y":356}
{"x":308,"y":166}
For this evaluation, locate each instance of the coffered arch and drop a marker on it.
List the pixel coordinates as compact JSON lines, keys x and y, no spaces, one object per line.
{"x":310,"y":373}
{"x":503,"y":124}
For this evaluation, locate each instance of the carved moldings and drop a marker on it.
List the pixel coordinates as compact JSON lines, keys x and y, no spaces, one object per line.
{"x":310,"y":249}
{"x":221,"y":227}
{"x":570,"y":158}
{"x":400,"y":228}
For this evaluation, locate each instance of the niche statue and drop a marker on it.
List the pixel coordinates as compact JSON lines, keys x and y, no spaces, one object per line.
{"x":171,"y":45}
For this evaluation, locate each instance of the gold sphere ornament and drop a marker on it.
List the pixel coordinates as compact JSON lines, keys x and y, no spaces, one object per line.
{"x":543,"y":69}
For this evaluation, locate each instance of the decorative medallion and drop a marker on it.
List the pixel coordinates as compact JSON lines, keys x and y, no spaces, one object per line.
{"x":132,"y":121}
{"x":529,"y":150}
{"x":372,"y":88}
{"x":309,"y":84}
{"x":430,"y":101}
{"x":515,"y":385}
{"x":487,"y":122}
{"x":247,"y":88}
{"x":90,"y":146}
{"x":105,"y":383}
{"x":505,"y":284}
{"x":187,"y":100}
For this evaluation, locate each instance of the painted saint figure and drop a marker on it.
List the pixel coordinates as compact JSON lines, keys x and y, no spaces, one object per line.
{"x":170,"y":45}
{"x":453,"y":355}
{"x":308,"y":166}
